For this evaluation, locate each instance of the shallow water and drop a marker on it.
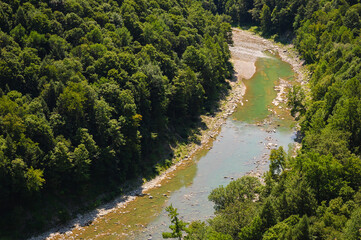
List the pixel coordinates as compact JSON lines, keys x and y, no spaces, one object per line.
{"x":235,"y":152}
{"x":240,"y":144}
{"x":260,"y":92}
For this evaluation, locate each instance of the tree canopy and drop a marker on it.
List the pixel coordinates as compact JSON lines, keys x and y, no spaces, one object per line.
{"x":91,"y":89}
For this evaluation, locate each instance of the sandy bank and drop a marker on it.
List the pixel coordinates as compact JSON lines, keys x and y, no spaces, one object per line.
{"x":248,"y":47}
{"x":248,"y":52}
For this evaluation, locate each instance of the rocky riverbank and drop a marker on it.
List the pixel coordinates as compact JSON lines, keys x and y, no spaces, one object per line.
{"x":279,"y":105}
{"x":246,"y":49}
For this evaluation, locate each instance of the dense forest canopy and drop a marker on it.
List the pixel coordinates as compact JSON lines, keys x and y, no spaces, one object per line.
{"x":90,"y":89}
{"x":317,"y":194}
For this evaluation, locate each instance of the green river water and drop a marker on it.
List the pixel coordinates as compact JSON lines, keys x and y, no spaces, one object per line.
{"x":234,"y":152}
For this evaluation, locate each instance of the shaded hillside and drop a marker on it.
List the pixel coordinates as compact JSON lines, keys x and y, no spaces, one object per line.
{"x":91,"y":91}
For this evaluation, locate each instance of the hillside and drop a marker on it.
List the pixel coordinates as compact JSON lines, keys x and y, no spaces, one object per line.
{"x":93,"y":93}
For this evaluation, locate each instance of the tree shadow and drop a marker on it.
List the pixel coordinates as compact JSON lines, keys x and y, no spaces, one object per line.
{"x":234,"y":77}
{"x":285,"y":38}
{"x":177,"y":134}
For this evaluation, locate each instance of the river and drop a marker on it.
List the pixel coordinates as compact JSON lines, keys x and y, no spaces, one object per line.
{"x":241,"y":147}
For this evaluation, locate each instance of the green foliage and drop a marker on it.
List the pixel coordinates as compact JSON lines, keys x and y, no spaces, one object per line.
{"x":281,"y":230}
{"x":241,"y":190}
{"x":235,"y":205}
{"x":272,"y":16}
{"x":277,"y":161}
{"x":253,"y":231}
{"x":34,"y":179}
{"x":323,"y":173}
{"x":352,"y":228}
{"x":178,"y":225}
{"x":296,"y":98}
{"x":91,"y":89}
{"x":265,"y":18}
{"x":301,"y":230}
{"x":200,"y":231}
{"x":265,"y":219}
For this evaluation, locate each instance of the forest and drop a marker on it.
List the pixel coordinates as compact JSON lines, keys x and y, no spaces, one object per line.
{"x":315,"y":195}
{"x":92,"y":92}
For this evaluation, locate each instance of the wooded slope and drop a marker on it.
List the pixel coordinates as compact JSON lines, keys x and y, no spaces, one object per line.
{"x":92,"y":90}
